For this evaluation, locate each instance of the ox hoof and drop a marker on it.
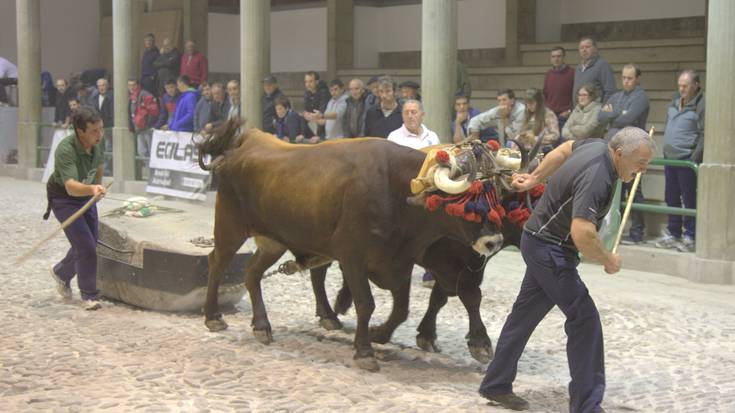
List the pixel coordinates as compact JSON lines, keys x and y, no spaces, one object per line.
{"x":216,"y":324}
{"x":330,"y":324}
{"x":427,"y":344}
{"x":263,"y":336}
{"x":379,"y":335}
{"x":367,"y":363}
{"x":483,"y":354}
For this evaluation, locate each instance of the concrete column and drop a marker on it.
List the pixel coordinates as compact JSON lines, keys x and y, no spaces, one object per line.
{"x":255,"y":57}
{"x":28,"y":20}
{"x":123,"y":141}
{"x":439,"y":64}
{"x":340,"y":36}
{"x":715,"y":224}
{"x":196,"y":22}
{"x":512,"y":45}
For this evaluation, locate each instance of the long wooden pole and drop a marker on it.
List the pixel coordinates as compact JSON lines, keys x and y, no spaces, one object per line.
{"x":628,"y":205}
{"x":63,"y":225}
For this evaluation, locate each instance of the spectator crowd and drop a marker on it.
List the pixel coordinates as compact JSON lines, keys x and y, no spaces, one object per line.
{"x":173,"y":93}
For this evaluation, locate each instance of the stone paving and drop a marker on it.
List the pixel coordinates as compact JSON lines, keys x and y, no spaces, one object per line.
{"x":670,"y":345}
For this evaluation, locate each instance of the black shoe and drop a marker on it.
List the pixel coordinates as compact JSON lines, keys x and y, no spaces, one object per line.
{"x":631,"y":240}
{"x":507,"y":400}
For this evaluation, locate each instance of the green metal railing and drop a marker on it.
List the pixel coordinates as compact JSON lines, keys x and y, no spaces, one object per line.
{"x":612,"y":221}
{"x":667,"y":210}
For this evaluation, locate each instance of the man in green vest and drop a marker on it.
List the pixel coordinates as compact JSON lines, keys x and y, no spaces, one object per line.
{"x":78,"y":167}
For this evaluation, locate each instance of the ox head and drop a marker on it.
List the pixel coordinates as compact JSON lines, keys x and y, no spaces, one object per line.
{"x":476,"y":180}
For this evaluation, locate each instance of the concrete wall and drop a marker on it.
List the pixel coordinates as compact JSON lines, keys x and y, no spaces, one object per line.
{"x":70,"y":32}
{"x":298,"y":41}
{"x":398,"y":28}
{"x":580,"y":11}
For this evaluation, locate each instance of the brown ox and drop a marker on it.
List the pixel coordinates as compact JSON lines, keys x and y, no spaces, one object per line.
{"x":345,"y":200}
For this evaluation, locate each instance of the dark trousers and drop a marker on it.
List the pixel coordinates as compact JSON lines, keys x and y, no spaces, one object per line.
{"x":552,"y":279}
{"x":681,"y":185}
{"x":148,"y":83}
{"x":81,"y":260}
{"x":637,"y":225}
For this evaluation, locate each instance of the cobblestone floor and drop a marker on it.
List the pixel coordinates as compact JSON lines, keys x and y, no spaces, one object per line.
{"x":670,"y":345}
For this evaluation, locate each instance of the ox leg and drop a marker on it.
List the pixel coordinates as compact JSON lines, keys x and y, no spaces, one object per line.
{"x":399,"y":313}
{"x":267,"y":254}
{"x":327,"y":318}
{"x":478,"y":342}
{"x":357,"y":282}
{"x":344,"y":298}
{"x":229,"y":235}
{"x":426,"y":339}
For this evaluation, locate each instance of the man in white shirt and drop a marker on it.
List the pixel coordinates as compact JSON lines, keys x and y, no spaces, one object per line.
{"x":416,"y":135}
{"x":413,"y":133}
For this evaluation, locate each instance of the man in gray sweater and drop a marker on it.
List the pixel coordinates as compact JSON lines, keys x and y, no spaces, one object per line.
{"x":629,"y":107}
{"x":683,"y":140}
{"x":593,"y":69}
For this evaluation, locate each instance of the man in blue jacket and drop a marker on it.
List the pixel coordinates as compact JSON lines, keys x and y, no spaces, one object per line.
{"x":183,"y":119}
{"x":683,"y":140}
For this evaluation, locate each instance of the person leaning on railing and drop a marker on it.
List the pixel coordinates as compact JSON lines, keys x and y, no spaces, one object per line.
{"x":683,"y":140}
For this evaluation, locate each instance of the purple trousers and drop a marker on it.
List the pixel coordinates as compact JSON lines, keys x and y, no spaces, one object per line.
{"x":681,"y":185}
{"x":81,"y":259}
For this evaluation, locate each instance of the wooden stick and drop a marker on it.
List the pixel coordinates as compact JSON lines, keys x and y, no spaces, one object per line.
{"x":63,"y":225}
{"x":628,"y":205}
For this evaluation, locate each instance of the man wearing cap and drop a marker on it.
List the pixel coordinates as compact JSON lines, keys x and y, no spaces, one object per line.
{"x":271,"y":92}
{"x":373,"y":98}
{"x":409,"y":90}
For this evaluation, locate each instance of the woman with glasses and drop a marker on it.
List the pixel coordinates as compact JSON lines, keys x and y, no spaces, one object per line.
{"x":582,"y":123}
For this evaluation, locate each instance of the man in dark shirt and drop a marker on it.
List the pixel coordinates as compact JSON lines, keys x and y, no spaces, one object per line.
{"x":271,"y":92}
{"x":316,"y":98}
{"x":566,"y":221}
{"x":385,"y":117}
{"x":147,"y":69}
{"x":628,"y":107}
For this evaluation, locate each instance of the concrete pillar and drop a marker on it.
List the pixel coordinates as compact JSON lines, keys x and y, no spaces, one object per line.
{"x":255,"y":57}
{"x":196,"y":22}
{"x":512,"y":44}
{"x":439,"y":64}
{"x":520,"y":27}
{"x":340,"y":36}
{"x":123,"y":141}
{"x":28,"y":20}
{"x":715,"y":224}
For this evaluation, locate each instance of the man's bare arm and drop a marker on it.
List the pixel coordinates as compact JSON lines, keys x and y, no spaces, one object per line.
{"x":584,"y":235}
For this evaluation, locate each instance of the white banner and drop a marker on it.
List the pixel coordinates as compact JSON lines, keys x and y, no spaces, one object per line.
{"x":174,"y":167}
{"x":59,"y":134}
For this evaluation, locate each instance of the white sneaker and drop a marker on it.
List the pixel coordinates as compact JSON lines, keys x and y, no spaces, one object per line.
{"x":686,"y":245}
{"x":667,"y":241}
{"x":61,"y":287}
{"x":91,"y":305}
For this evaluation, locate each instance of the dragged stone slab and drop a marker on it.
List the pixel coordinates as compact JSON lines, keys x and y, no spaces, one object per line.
{"x":160,"y":262}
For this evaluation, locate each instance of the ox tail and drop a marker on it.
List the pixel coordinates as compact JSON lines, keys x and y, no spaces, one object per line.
{"x":217,"y":142}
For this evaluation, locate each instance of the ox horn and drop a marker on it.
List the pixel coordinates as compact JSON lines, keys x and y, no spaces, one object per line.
{"x":449,"y":185}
